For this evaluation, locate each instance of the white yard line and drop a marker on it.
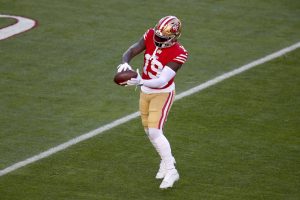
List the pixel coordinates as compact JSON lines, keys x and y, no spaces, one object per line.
{"x":129,"y":117}
{"x":238,"y":71}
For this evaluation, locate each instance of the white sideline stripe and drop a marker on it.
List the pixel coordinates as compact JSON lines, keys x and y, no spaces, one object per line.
{"x":237,"y":71}
{"x":128,"y":118}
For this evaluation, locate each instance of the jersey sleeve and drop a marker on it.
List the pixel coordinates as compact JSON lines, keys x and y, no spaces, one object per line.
{"x":181,"y":56}
{"x":148,"y":36}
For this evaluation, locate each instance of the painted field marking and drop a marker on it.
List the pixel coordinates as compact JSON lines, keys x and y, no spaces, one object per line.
{"x":22,"y":25}
{"x":132,"y":116}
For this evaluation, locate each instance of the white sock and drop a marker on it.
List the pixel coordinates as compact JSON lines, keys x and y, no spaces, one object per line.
{"x":162,"y":146}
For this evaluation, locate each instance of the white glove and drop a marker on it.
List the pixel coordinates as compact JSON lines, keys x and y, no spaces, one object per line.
{"x":136,"y":81}
{"x":123,"y":67}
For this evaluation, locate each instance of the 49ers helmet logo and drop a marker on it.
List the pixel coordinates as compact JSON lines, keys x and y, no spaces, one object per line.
{"x":167,"y":31}
{"x":175,"y":28}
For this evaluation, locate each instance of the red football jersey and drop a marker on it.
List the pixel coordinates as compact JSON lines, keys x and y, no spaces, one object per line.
{"x":155,"y":59}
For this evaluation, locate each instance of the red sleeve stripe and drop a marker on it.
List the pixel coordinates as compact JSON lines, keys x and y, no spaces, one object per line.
{"x":181,"y":58}
{"x":145,"y":35}
{"x":182,"y":55}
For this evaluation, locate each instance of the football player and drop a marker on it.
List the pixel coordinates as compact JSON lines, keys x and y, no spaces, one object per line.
{"x":163,"y":57}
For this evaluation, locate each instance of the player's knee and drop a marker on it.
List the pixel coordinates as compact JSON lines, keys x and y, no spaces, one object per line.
{"x":153,"y":122}
{"x":145,"y":122}
{"x":146,"y":130}
{"x":154,"y":133}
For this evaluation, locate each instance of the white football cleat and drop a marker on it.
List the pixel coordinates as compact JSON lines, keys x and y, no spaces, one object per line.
{"x":171,"y":177}
{"x":162,"y":169}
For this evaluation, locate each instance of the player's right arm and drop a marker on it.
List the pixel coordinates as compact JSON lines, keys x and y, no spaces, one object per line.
{"x":131,"y":52}
{"x":134,"y":50}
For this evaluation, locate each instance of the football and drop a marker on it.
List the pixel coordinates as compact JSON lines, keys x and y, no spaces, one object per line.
{"x":122,"y":77}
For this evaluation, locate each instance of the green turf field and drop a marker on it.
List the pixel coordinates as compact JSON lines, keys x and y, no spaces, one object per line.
{"x":5,"y":22}
{"x":239,"y":139}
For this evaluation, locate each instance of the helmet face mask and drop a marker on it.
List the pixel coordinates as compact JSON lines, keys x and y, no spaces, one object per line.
{"x":162,"y":41}
{"x":167,"y":31}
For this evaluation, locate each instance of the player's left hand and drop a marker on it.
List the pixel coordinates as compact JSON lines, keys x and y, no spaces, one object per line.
{"x":136,"y":81}
{"x":123,"y":67}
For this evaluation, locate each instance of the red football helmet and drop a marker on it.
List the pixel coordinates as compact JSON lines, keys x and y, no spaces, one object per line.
{"x":167,"y":31}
